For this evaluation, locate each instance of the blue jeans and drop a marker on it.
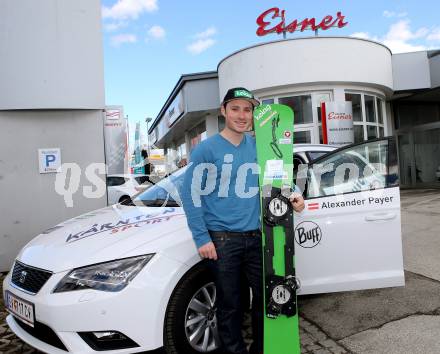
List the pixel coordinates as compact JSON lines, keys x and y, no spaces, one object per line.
{"x":238,"y":253}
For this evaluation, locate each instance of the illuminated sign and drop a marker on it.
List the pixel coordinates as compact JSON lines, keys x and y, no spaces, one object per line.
{"x":273,"y":20}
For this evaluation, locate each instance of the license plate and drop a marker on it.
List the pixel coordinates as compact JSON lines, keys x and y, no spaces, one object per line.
{"x":20,"y":308}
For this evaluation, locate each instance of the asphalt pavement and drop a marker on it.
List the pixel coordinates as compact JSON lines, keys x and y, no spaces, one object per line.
{"x":391,"y":320}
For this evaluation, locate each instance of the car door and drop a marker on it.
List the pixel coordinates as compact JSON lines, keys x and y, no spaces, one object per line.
{"x":349,"y":235}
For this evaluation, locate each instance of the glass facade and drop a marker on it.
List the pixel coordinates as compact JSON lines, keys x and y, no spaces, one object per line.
{"x":356,"y":102}
{"x":197,"y":134}
{"x":368,"y":114}
{"x":301,"y":106}
{"x":302,"y":137}
{"x":418,"y":134}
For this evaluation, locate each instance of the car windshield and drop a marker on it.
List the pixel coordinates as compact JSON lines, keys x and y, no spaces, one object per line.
{"x":163,"y":194}
{"x":313,"y":155}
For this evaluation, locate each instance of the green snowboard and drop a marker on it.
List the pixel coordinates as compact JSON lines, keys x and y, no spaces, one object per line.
{"x":273,"y":125}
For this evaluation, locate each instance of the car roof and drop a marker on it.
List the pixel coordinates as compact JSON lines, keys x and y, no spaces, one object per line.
{"x":313,"y":147}
{"x":128,"y":175}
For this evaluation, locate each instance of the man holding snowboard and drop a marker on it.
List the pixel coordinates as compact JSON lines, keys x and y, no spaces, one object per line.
{"x":225,"y":223}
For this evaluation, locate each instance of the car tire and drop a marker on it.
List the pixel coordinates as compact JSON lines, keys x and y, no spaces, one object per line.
{"x":177,"y":329}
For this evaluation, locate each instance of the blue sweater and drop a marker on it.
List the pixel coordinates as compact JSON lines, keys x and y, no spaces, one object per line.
{"x":220,"y":189}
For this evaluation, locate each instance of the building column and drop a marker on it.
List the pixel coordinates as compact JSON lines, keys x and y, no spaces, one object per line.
{"x":211,"y":122}
{"x":187,"y":145}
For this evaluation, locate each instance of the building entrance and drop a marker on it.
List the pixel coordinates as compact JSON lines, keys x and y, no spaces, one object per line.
{"x":419,"y":155}
{"x":417,"y":125}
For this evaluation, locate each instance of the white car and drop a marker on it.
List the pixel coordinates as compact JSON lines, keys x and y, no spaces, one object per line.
{"x":121,"y":188}
{"x":127,"y":279}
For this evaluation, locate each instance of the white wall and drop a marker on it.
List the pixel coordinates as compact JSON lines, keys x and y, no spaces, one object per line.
{"x":51,"y":96}
{"x":411,"y":71}
{"x":29,"y":203}
{"x":51,"y":54}
{"x":306,"y":61}
{"x":201,"y":95}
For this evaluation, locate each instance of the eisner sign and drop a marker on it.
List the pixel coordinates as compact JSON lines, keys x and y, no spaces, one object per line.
{"x":267,"y":25}
{"x":337,"y":123}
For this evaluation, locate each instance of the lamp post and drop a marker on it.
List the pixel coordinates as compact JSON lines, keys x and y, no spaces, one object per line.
{"x":148,"y":120}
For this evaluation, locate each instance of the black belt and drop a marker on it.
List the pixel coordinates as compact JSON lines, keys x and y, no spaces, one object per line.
{"x":252,"y":233}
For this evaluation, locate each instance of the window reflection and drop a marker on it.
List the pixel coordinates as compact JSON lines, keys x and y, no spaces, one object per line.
{"x":371,"y":132}
{"x":370,"y":114}
{"x":355,"y":169}
{"x":302,"y":137}
{"x":356,"y":104}
{"x":301,"y":106}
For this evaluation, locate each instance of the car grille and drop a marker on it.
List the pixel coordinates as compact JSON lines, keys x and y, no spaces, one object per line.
{"x":29,"y":278}
{"x":43,"y":333}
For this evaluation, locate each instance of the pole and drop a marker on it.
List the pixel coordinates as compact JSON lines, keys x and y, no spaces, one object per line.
{"x":148,"y":120}
{"x":148,"y":141}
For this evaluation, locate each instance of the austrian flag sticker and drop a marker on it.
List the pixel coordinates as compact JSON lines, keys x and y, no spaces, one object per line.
{"x":313,"y":206}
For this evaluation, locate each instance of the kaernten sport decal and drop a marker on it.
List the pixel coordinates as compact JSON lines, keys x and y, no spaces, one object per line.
{"x":123,"y":225}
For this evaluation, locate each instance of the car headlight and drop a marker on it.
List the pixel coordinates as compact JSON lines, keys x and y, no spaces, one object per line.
{"x":109,"y":276}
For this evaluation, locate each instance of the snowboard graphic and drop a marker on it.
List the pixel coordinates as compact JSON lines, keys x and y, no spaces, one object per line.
{"x":273,"y":125}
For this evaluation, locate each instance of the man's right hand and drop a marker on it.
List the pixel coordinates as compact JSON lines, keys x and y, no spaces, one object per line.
{"x":208,"y":251}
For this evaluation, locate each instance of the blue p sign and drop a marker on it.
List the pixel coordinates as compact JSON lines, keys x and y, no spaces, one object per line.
{"x":49,"y":159}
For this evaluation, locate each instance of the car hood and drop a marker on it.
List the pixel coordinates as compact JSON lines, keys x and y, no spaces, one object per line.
{"x":100,"y":236}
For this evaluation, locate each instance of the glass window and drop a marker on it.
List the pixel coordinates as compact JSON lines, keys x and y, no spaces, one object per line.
{"x":302,"y":137}
{"x":115,"y":181}
{"x":301,"y":106}
{"x":371,"y":132}
{"x":165,"y":193}
{"x":354,"y":169}
{"x":410,"y":114}
{"x":141,"y":179}
{"x":197,"y":134}
{"x":427,"y":155}
{"x":356,"y":104}
{"x":370,"y":113}
{"x":406,"y":158}
{"x":267,"y":101}
{"x":221,"y":123}
{"x":358,"y":133}
{"x":379,"y":103}
{"x":313,"y":155}
{"x":381,"y":132}
{"x":181,"y":158}
{"x":320,"y":98}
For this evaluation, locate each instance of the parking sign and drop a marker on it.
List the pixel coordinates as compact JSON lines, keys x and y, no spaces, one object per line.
{"x":49,"y":160}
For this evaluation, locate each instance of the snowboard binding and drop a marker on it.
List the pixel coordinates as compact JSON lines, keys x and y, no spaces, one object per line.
{"x":280,"y":290}
{"x":282,"y":294}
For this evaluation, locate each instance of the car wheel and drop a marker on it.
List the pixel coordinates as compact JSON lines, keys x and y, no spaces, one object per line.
{"x":191,"y":321}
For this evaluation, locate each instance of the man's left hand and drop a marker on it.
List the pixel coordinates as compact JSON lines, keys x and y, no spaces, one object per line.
{"x":297,"y":202}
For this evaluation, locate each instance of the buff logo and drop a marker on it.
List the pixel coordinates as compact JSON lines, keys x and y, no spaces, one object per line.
{"x":242,"y":93}
{"x":262,"y":112}
{"x":308,"y":234}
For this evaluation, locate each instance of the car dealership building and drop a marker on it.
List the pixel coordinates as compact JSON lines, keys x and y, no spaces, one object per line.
{"x":391,"y":94}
